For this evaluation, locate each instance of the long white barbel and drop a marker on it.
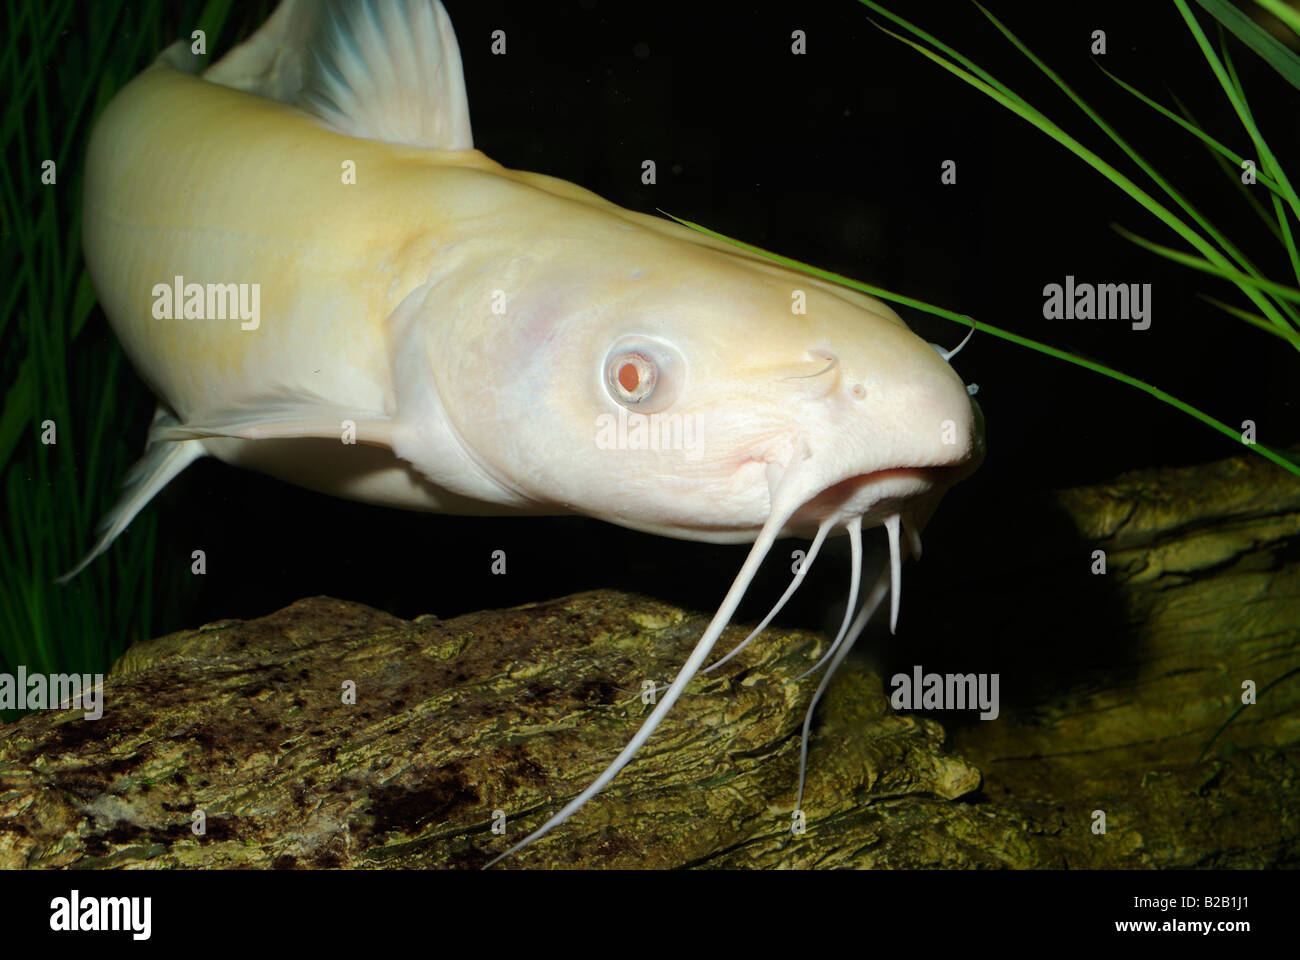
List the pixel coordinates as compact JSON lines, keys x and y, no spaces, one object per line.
{"x":784,"y":503}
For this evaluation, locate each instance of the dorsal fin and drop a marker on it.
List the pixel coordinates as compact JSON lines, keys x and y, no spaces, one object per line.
{"x":268,"y":64}
{"x":379,"y":69}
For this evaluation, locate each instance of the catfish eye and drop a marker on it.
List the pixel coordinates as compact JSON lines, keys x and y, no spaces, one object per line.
{"x":633,"y":377}
{"x":643,"y":374}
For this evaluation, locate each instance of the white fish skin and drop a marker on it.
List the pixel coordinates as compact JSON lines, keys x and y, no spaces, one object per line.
{"x":377,"y":308}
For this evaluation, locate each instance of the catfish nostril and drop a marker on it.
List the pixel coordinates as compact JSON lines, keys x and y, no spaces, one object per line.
{"x":859,"y":391}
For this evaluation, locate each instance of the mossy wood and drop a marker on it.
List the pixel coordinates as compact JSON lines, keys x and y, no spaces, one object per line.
{"x":517,"y":710}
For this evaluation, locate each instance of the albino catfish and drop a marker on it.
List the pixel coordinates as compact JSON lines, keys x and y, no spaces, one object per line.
{"x":301,"y":242}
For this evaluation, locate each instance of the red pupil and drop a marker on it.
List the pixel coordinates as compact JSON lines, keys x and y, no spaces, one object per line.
{"x":628,"y":377}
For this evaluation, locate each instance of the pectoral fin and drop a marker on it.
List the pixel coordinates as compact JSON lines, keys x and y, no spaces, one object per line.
{"x":173,"y":446}
{"x":161,"y":462}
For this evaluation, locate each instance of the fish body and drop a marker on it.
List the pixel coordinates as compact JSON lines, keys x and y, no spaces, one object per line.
{"x":484,"y":335}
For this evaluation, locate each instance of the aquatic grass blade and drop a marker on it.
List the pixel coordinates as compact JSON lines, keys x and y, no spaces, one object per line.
{"x":1238,"y":104}
{"x":1284,"y":13}
{"x":1023,"y":109}
{"x":1276,"y":54}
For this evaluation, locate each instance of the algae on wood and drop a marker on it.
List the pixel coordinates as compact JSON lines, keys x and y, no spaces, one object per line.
{"x":512,"y":711}
{"x":1205,"y":568}
{"x":458,"y":724}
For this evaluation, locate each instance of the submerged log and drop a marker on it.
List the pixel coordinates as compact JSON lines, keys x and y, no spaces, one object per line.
{"x":1203,"y":576}
{"x":330,"y":734}
{"x":489,"y":718}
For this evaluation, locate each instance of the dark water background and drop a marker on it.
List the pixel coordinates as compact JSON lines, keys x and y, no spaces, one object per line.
{"x":832,"y":157}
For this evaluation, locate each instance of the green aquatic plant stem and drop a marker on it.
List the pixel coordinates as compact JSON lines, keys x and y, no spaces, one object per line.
{"x":1265,"y":45}
{"x":1016,"y":338}
{"x":1189,"y":126}
{"x":1003,"y":95}
{"x":1238,"y":711}
{"x":1280,"y":229}
{"x":1253,"y":319}
{"x":1284,"y":13}
{"x":1238,"y":102}
{"x":60,"y":63}
{"x":1204,"y":266}
{"x":1283,"y":232}
{"x":1156,"y":177}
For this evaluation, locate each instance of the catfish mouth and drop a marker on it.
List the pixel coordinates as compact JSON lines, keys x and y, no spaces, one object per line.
{"x":876,"y":495}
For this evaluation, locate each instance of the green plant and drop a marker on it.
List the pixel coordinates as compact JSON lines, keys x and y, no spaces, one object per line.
{"x":65,"y":376}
